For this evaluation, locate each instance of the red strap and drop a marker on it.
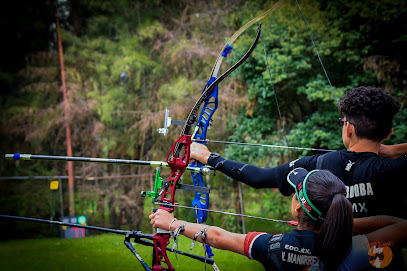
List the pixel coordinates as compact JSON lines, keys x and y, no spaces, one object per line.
{"x":248,"y":242}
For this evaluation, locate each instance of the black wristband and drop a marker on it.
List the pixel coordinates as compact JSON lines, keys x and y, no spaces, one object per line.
{"x":214,"y":155}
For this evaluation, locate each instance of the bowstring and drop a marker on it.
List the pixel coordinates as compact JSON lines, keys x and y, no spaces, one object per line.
{"x":263,"y":145}
{"x":221,"y":212}
{"x":271,"y":80}
{"x":316,"y":50}
{"x":275,"y":97}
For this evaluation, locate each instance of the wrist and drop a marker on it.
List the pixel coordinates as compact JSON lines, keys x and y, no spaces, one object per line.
{"x":176,"y":224}
{"x":172,"y":221}
{"x":206,"y":157}
{"x":212,"y":156}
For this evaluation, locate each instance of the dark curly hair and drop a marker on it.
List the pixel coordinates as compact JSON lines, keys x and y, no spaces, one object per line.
{"x":371,"y":110}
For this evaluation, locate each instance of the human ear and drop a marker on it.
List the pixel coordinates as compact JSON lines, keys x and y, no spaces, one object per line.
{"x":391,"y":132}
{"x":350,"y":130}
{"x":298,"y":207}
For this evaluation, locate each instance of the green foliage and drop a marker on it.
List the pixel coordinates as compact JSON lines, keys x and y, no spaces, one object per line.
{"x":400,"y":128}
{"x":306,"y":100}
{"x":318,"y":130}
{"x":318,"y":90}
{"x":175,"y":91}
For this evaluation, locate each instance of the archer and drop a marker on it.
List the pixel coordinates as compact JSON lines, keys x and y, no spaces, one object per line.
{"x":323,"y":238}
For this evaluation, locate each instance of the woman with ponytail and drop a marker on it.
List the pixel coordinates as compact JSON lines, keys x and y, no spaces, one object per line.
{"x":320,"y":205}
{"x":322,"y":240}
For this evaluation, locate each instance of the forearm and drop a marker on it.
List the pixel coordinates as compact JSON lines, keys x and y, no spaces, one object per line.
{"x":256,"y":177}
{"x":393,"y":151}
{"x":372,"y":223}
{"x":386,"y":230}
{"x":214,"y":236}
{"x":251,"y":175}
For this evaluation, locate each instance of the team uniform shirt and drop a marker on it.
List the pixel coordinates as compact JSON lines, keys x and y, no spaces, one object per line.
{"x":374,"y":185}
{"x":295,"y":251}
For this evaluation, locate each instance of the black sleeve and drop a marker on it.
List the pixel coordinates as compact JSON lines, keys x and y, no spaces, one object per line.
{"x":259,"y":177}
{"x":398,"y":177}
{"x":398,"y":165}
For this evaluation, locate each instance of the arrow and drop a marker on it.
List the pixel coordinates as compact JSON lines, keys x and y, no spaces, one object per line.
{"x":17,"y":156}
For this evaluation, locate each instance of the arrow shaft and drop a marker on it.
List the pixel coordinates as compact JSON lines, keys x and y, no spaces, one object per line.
{"x":18,"y":156}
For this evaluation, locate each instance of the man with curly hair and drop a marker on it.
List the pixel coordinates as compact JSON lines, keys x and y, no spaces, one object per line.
{"x":374,"y":174}
{"x":364,"y":166}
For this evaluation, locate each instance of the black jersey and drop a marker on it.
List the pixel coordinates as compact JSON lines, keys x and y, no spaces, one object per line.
{"x":374,"y":185}
{"x":290,"y":251}
{"x":294,"y":251}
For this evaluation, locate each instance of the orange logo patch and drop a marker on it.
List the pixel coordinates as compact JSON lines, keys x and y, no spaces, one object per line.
{"x":380,"y":255}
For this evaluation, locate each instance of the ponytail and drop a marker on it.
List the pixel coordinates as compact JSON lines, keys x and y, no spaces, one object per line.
{"x":333,"y":243}
{"x":334,"y":240}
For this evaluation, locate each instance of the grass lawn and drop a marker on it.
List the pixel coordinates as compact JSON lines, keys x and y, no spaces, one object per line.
{"x":106,"y":252}
{"x":103,"y":252}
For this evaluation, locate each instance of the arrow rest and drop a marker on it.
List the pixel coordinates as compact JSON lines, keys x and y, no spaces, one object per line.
{"x":158,"y":183}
